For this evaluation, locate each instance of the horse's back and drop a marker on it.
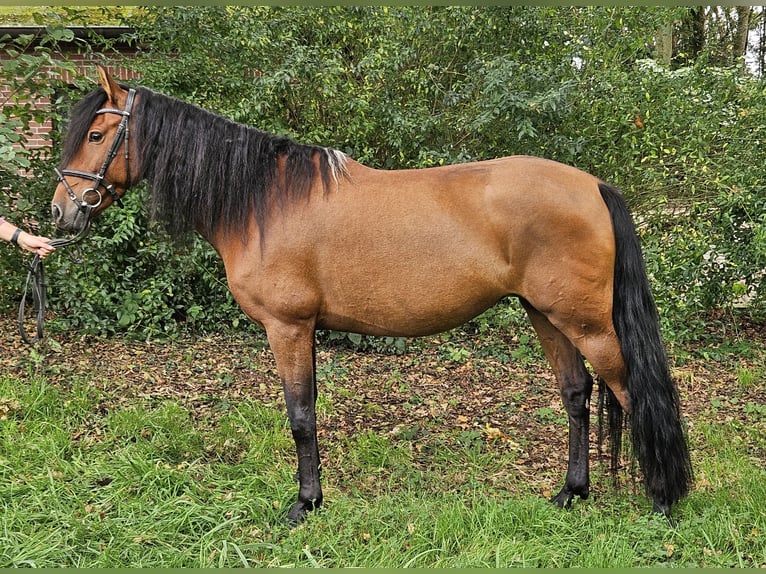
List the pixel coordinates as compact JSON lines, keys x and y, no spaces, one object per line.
{"x":500,"y":215}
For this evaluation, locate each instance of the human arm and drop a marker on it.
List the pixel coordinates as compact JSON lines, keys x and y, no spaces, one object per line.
{"x":28,"y":241}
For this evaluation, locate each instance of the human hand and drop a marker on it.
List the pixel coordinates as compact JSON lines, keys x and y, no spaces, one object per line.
{"x":35,"y":244}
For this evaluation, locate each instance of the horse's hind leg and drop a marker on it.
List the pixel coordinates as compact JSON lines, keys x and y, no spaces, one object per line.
{"x":576,"y":385}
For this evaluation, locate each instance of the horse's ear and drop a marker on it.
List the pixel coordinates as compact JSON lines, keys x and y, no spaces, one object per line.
{"x":107,"y":82}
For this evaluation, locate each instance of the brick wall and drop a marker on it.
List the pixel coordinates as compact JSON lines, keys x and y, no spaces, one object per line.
{"x":37,"y":135}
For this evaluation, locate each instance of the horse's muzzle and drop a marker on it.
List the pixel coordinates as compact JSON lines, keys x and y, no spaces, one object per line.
{"x":69,"y":220}
{"x":56,"y":214}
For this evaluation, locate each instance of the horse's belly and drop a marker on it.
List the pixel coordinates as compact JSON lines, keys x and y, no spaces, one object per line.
{"x":417,"y":303}
{"x":418,"y":272}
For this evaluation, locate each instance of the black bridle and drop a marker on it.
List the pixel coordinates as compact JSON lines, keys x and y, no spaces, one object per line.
{"x":99,"y":179}
{"x":36,"y":276}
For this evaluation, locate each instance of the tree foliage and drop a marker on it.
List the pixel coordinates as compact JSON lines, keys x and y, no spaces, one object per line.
{"x":404,"y":87}
{"x":26,"y":81}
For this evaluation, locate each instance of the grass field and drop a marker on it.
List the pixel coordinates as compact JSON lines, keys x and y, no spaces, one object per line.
{"x":93,"y":474}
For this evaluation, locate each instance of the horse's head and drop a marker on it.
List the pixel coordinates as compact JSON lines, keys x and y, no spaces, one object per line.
{"x":96,"y":167}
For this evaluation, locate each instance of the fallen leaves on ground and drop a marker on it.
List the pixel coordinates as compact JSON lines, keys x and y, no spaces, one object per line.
{"x":507,"y":404}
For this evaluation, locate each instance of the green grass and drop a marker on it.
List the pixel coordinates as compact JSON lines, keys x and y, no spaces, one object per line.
{"x":148,"y":484}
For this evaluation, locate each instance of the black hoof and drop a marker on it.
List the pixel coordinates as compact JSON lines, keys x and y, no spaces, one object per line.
{"x":299,"y":511}
{"x":564,"y":498}
{"x":296,"y":515}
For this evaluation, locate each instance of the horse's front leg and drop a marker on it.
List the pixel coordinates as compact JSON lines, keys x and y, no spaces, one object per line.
{"x":293,"y":348}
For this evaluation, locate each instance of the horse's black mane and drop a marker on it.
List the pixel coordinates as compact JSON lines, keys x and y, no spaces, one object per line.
{"x":205,"y":171}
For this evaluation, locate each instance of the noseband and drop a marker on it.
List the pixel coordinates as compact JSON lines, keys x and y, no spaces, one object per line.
{"x":98,"y":179}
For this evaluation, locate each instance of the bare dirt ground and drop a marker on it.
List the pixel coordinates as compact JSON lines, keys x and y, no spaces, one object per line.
{"x":513,"y":403}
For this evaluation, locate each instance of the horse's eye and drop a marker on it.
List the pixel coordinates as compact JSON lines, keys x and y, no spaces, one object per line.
{"x":95,"y":137}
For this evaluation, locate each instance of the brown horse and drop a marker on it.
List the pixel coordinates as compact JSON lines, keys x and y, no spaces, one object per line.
{"x":314,"y":240}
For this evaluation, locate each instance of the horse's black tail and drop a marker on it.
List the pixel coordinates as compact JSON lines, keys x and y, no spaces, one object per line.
{"x":657,"y":433}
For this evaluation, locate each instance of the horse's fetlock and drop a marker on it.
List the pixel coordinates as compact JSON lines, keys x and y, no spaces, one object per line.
{"x":302,"y":424}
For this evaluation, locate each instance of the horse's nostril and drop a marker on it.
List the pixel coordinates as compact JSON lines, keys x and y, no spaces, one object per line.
{"x":55,"y":213}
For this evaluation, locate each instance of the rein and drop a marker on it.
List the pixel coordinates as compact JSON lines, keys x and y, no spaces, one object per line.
{"x":36,"y":281}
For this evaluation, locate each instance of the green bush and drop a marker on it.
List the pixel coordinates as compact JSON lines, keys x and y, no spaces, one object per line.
{"x":131,"y":278}
{"x":692,"y":172}
{"x":24,"y":200}
{"x":415,"y":87}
